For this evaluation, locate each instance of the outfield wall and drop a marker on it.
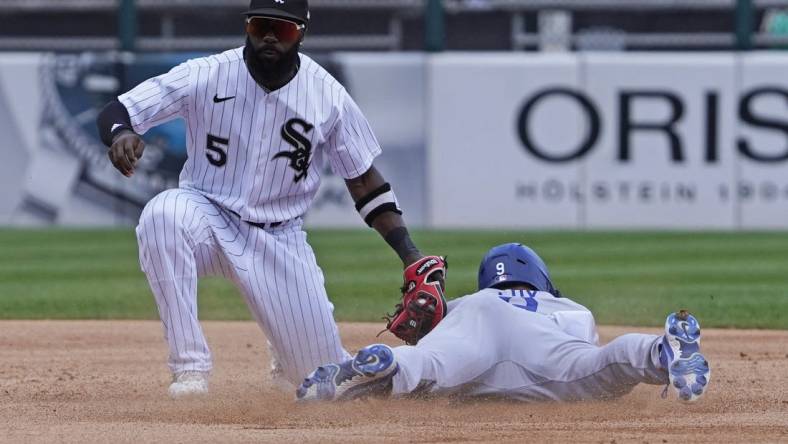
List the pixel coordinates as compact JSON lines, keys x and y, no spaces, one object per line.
{"x":522,"y":140}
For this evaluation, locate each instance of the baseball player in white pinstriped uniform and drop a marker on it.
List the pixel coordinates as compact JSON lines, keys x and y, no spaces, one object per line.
{"x":261,"y":121}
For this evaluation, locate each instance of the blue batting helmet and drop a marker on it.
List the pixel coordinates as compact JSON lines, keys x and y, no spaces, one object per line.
{"x":514,"y":263}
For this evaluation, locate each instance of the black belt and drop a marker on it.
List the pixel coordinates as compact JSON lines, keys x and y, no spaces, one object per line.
{"x":266,"y":225}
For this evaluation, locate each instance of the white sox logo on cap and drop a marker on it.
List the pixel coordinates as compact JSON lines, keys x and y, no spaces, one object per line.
{"x":296,"y":10}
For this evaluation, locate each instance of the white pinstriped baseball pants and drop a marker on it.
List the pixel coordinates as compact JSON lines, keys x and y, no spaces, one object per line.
{"x":182,"y":236}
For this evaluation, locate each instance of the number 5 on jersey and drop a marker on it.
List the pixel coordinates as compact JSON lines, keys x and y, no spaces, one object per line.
{"x":217,"y":150}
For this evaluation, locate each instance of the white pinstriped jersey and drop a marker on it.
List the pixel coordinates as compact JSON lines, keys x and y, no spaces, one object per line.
{"x":255,"y":152}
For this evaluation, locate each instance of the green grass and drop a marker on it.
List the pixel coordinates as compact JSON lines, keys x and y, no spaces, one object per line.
{"x":633,"y":278}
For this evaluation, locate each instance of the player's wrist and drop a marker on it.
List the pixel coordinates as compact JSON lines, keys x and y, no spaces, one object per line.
{"x":122,"y":132}
{"x":411,"y":258}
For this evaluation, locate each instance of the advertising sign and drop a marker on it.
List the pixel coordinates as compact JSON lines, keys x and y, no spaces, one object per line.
{"x":619,"y":140}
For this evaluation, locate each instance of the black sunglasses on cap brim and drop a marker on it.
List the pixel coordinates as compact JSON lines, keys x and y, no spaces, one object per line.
{"x":285,"y":30}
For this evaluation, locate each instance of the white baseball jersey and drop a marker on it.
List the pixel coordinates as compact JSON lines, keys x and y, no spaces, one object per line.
{"x":526,"y":345}
{"x":253,"y":156}
{"x":256,"y":153}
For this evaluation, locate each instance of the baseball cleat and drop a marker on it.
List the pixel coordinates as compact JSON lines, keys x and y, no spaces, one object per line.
{"x":688,"y":370}
{"x":189,"y":384}
{"x":276,"y":372}
{"x":369,"y":373}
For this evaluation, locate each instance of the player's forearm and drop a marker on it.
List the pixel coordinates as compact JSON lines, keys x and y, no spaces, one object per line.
{"x":399,"y":239}
{"x":112,"y":120}
{"x":371,"y":189}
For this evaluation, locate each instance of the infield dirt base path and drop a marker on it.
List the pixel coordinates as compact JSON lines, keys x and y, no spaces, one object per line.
{"x":106,"y":381}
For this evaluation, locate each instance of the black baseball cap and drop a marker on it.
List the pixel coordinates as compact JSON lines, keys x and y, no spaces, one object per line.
{"x":297,"y":10}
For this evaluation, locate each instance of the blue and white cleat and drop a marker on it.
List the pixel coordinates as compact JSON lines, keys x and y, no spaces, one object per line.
{"x":369,"y":373}
{"x":687,"y":368}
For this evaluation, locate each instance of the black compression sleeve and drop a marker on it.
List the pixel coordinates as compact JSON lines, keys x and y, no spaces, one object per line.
{"x":399,"y":240}
{"x":114,"y":114}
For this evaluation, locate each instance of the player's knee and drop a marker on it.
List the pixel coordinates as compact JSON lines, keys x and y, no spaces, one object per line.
{"x":162,"y":214}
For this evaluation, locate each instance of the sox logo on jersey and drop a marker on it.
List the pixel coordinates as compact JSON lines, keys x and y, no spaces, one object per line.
{"x":300,"y":158}
{"x":249,"y":165}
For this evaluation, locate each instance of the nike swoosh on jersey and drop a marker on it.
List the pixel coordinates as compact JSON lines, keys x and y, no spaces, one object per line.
{"x":216,"y":99}
{"x":115,"y":126}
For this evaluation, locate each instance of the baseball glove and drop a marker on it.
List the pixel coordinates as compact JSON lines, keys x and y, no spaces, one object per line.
{"x":423,"y":304}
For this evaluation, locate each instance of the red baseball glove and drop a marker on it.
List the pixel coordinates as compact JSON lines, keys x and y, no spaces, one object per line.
{"x":423,"y":304}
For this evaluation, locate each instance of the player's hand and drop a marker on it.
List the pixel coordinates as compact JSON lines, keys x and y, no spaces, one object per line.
{"x":125,"y":151}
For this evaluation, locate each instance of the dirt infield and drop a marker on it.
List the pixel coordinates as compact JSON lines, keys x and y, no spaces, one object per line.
{"x":106,"y":381}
